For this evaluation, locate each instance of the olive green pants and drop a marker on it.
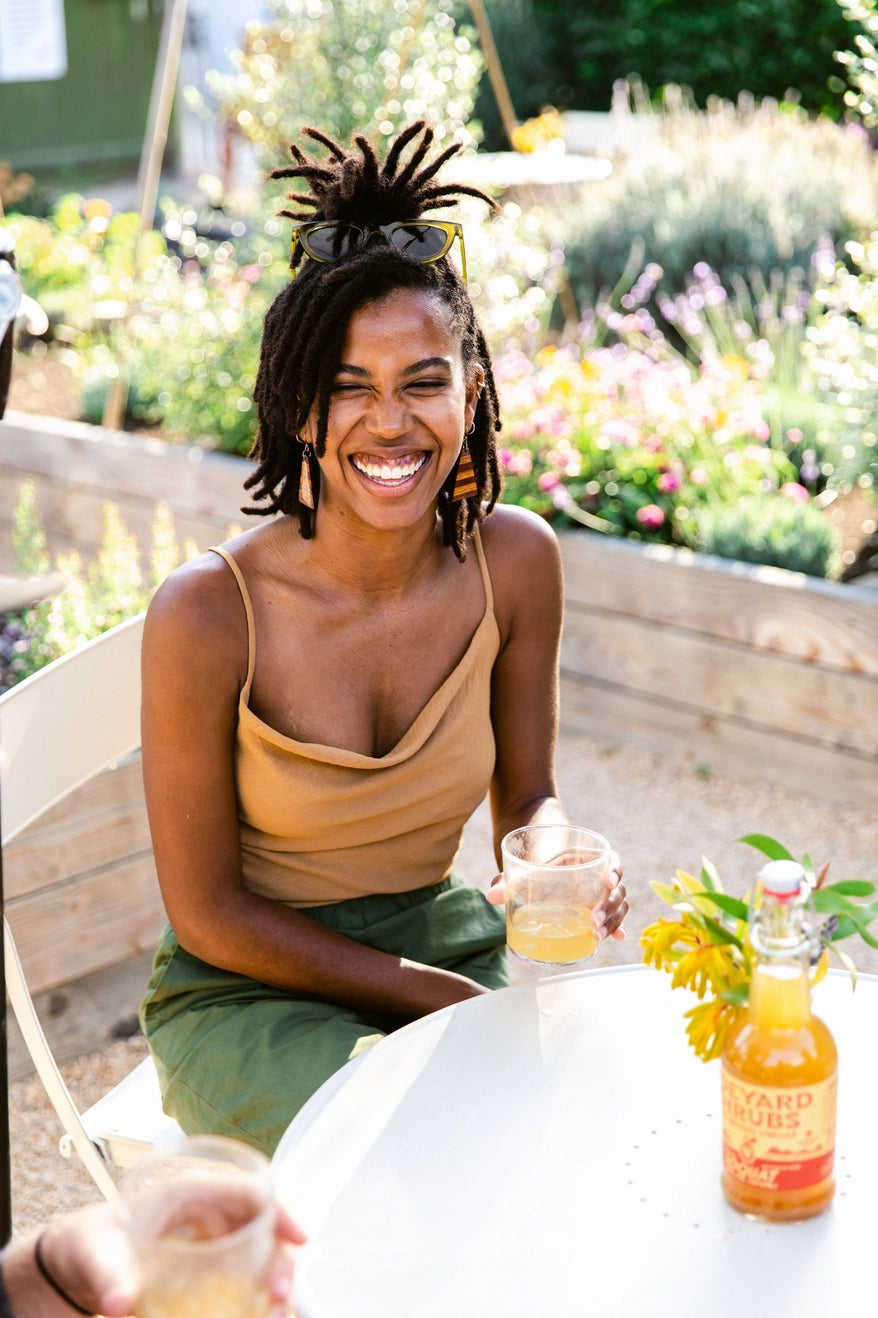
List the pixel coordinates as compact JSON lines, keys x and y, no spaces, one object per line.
{"x":238,"y":1057}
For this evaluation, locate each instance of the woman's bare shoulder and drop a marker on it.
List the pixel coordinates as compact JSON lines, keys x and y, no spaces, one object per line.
{"x":514,"y":537}
{"x":197,"y":607}
{"x":524,"y":561}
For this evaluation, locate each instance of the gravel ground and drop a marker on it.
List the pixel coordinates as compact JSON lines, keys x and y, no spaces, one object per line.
{"x":659,"y":813}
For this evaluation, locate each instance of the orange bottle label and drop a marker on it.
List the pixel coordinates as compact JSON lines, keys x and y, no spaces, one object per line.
{"x":778,"y":1139}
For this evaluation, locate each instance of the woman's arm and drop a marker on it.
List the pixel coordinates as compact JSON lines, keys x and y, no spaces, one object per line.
{"x":525,"y":566}
{"x":526,"y":575}
{"x":194,"y":665}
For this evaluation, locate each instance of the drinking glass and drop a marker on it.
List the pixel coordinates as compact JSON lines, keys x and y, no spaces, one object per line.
{"x":555,"y":876}
{"x":200,"y":1215}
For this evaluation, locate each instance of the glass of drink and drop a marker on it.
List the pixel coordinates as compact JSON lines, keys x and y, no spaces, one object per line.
{"x":200,"y":1215}
{"x":555,"y":876}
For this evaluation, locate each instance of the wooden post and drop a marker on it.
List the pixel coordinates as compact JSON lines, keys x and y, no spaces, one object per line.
{"x":510,"y":123}
{"x":495,"y":70}
{"x":160,"y":108}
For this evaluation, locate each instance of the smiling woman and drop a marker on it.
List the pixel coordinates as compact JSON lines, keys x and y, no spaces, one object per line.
{"x":306,"y":327}
{"x":329,"y":696}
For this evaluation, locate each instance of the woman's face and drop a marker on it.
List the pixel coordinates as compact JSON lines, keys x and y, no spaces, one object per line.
{"x":400,"y":405}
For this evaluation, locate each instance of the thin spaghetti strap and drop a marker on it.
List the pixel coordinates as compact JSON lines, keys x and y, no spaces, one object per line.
{"x":248,"y":609}
{"x":483,"y":568}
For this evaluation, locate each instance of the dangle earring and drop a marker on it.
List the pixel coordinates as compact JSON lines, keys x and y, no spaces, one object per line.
{"x":465,"y":483}
{"x":306,"y":489}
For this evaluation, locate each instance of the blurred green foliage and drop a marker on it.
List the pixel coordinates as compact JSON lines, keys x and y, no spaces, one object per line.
{"x":725,"y":271}
{"x":742,"y":188}
{"x":351,"y":66}
{"x":777,"y":532}
{"x":568,"y":54}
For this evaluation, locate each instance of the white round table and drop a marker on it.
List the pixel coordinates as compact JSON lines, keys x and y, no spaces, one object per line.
{"x":553,"y":1150}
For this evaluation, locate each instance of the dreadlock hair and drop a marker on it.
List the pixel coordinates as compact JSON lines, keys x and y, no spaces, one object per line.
{"x":306,"y":325}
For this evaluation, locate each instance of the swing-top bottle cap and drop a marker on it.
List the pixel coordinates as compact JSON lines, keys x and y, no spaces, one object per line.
{"x":782,"y":878}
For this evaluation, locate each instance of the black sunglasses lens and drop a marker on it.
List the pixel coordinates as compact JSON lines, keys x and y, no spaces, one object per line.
{"x":420,"y":242}
{"x":330,"y":241}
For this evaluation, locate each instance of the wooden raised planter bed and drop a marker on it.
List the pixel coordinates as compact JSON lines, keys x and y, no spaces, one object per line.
{"x":759,"y":671}
{"x":754,"y":670}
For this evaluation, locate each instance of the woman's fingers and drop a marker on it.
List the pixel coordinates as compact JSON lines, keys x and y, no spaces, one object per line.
{"x":496,"y":894}
{"x":607,"y":917}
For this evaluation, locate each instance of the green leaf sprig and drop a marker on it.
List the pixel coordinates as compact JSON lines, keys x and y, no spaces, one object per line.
{"x":707,"y":950}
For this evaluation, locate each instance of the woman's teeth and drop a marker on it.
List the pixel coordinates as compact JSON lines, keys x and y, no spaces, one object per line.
{"x":390,"y":473}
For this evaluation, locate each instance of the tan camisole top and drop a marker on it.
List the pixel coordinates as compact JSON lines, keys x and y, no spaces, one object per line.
{"x":320,"y":824}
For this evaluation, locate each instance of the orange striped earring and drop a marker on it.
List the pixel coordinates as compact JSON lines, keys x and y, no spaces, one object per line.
{"x":465,"y":483}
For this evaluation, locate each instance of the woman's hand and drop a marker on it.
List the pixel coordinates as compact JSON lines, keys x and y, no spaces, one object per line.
{"x":607,"y":917}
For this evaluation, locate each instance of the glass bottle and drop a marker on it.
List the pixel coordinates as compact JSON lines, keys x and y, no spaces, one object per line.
{"x":779,"y":1066}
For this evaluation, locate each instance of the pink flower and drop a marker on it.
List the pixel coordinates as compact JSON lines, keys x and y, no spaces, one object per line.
{"x":668,"y":482}
{"x":794,"y":435}
{"x":619,"y":431}
{"x":548,"y":481}
{"x":519,"y":464}
{"x":650,"y":515}
{"x":792,"y":490}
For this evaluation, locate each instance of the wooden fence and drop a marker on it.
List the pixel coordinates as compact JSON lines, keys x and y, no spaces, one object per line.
{"x":79,"y":467}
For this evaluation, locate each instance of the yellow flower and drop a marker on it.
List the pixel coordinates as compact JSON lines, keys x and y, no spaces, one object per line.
{"x":709,"y":1023}
{"x":536,"y":134}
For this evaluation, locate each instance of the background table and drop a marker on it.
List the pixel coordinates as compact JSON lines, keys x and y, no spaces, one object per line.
{"x":553,"y":1150}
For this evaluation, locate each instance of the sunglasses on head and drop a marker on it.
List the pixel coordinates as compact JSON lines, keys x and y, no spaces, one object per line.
{"x":419,"y":240}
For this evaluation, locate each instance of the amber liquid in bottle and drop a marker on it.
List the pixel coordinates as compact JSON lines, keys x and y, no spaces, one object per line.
{"x":779,"y":1069}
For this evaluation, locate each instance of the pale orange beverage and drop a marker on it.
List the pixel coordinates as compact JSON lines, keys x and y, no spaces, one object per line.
{"x":555,"y":876}
{"x":219,"y":1296}
{"x":779,"y":1092}
{"x":200,"y":1217}
{"x":551,"y":933}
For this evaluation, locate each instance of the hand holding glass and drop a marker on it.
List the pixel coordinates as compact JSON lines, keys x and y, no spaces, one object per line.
{"x":555,"y":876}
{"x":208,"y":1247}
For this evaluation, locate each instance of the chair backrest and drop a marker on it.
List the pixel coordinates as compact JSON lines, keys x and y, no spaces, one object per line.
{"x":59,"y":728}
{"x":69,"y":721}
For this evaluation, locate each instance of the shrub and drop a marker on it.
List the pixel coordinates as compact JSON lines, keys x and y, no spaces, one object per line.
{"x":776,"y":531}
{"x":349,"y":66}
{"x":569,"y":54}
{"x":78,"y":264}
{"x":738,"y":187}
{"x":761,"y":46}
{"x":861,"y":64}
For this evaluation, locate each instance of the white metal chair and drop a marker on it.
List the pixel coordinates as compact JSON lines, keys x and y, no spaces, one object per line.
{"x":58,"y":728}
